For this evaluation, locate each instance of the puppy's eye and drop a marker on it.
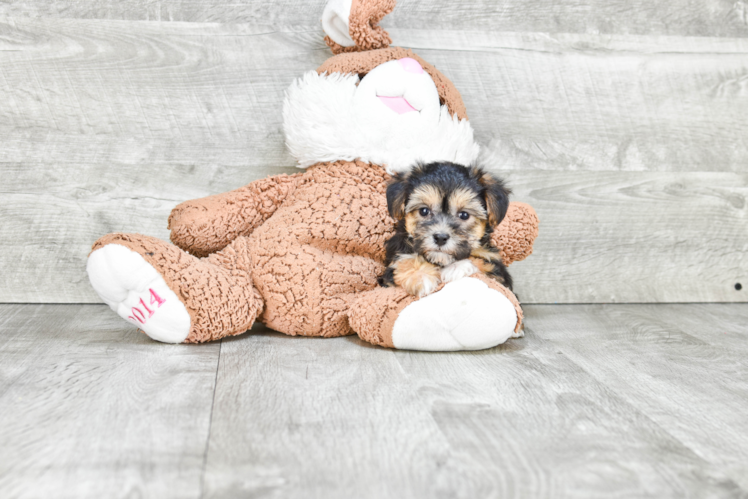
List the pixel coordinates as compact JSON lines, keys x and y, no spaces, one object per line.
{"x":424,"y":211}
{"x":463,"y":215}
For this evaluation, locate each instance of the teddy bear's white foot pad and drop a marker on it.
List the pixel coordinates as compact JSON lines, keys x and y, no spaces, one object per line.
{"x":138,"y":293}
{"x":464,"y":315}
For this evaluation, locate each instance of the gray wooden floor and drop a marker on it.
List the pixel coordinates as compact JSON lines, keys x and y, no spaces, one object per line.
{"x":596,"y":400}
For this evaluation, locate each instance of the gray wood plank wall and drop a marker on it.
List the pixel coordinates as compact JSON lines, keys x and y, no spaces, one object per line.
{"x":727,"y":18}
{"x":623,"y":123}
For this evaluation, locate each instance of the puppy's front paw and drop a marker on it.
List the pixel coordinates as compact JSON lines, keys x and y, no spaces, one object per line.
{"x":421,"y":284}
{"x":457,"y":270}
{"x":416,"y":275}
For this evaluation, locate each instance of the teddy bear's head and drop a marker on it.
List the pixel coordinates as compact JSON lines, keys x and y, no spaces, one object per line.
{"x":380,"y":104}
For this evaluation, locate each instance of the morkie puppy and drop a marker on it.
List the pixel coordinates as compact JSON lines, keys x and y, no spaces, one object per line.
{"x":444,"y":215}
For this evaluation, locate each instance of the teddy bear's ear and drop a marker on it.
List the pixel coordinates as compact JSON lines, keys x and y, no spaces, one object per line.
{"x":353,"y":25}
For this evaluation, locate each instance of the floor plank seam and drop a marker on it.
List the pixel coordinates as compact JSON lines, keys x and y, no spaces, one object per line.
{"x":642,"y":412}
{"x":210,"y":423}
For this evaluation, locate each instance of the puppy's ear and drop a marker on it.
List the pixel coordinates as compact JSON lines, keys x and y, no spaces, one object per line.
{"x":496,"y":195}
{"x":397,"y":196}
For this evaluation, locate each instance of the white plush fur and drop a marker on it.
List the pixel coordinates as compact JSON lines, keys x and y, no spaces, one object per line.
{"x":331,"y":117}
{"x":464,"y":315}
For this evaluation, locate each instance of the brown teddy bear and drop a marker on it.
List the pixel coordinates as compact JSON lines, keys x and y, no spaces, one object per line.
{"x":301,"y":253}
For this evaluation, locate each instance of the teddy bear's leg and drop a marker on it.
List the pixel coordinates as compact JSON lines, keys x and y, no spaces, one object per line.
{"x":467,"y":314}
{"x":173,"y":296}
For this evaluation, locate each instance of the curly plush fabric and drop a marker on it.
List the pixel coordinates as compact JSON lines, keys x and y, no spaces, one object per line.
{"x":216,"y":291}
{"x":209,"y":224}
{"x":301,"y":253}
{"x":373,"y":314}
{"x":517,"y":232}
{"x":309,"y":269}
{"x":363,"y":26}
{"x":363,"y":62}
{"x":324,"y":244}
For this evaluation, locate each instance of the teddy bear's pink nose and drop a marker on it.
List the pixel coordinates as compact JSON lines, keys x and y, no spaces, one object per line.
{"x":410,"y":65}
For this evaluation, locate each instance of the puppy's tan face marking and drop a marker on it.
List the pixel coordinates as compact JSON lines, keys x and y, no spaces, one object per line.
{"x":478,"y":230}
{"x":422,"y":197}
{"x":411,"y":221}
{"x":425,"y":196}
{"x":466,"y":200}
{"x":445,"y":226}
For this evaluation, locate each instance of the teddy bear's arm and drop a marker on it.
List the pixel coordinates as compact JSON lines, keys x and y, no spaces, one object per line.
{"x":516,"y":233}
{"x":207,"y":225}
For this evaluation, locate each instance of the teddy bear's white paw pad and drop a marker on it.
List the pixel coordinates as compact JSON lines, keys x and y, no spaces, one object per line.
{"x":464,"y":315}
{"x":459,"y":269}
{"x":138,"y":293}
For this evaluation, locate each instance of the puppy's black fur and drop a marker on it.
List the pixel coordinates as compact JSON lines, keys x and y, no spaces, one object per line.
{"x":445,"y":200}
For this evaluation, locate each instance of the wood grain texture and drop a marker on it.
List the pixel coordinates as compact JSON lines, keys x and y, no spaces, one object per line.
{"x":631,"y":148}
{"x":722,"y":326}
{"x":667,"y":17}
{"x":336,"y":418}
{"x":595,"y":401}
{"x":52,"y":217}
{"x":535,"y":424}
{"x":581,"y":102}
{"x":303,"y":417}
{"x":89,"y":407}
{"x":171,"y":93}
{"x":683,"y":366}
{"x":634,"y":237}
{"x":147,"y":94}
{"x":604,"y":237}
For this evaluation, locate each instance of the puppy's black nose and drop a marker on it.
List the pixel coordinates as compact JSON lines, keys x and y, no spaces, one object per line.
{"x":441,"y":238}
